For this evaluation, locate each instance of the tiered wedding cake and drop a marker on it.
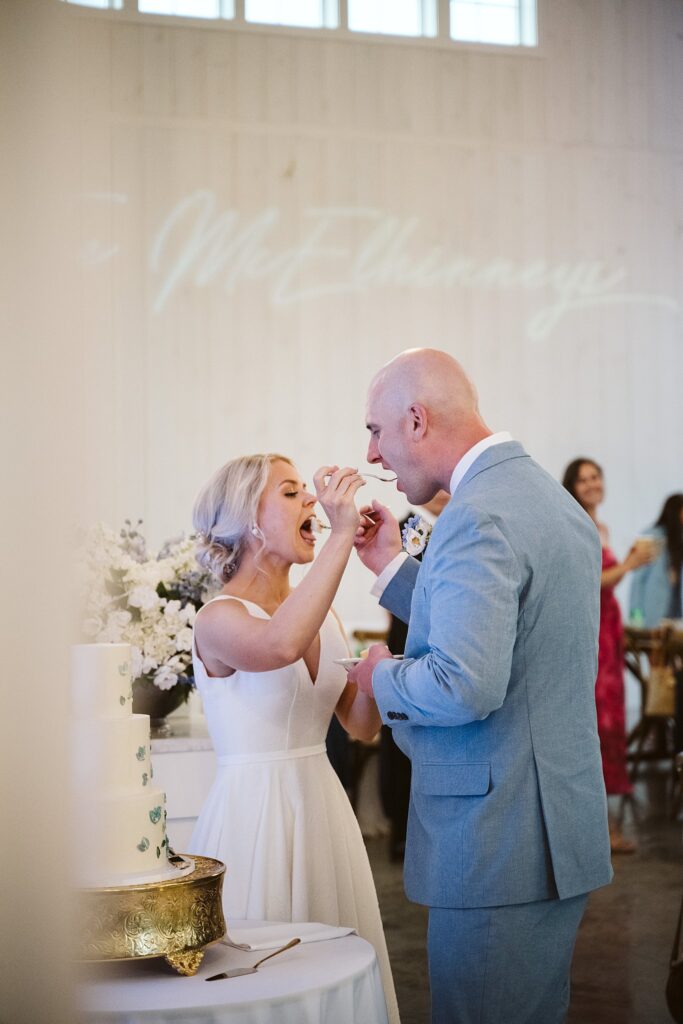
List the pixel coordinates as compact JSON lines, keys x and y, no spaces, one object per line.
{"x":119,"y":815}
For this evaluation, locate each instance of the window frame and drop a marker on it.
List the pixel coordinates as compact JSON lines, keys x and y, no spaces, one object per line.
{"x":441,"y":41}
{"x":525,"y":11}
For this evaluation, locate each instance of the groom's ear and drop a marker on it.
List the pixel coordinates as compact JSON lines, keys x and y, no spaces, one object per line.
{"x":417,"y":421}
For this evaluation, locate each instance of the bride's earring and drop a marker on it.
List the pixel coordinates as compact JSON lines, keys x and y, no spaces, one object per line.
{"x":255,"y":530}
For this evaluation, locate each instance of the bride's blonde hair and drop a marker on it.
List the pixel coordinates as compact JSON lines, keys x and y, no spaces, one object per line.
{"x":224,"y":513}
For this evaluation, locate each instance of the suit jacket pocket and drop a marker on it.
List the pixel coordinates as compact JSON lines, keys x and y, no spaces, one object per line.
{"x":463,"y":779}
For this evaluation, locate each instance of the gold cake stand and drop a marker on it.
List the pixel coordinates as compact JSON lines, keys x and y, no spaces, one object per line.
{"x":175,"y":919}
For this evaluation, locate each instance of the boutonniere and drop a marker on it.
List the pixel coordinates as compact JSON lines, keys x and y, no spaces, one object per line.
{"x":416,"y":534}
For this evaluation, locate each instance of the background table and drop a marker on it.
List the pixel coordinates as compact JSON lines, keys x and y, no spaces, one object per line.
{"x":332,"y":982}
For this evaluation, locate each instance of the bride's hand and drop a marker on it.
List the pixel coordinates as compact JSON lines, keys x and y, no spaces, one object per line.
{"x":336,"y":489}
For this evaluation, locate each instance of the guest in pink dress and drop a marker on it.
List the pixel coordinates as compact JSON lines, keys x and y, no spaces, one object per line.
{"x":583,"y":478}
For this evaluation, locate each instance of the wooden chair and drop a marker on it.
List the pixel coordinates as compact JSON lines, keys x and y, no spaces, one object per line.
{"x":363,"y":637}
{"x":652,"y":738}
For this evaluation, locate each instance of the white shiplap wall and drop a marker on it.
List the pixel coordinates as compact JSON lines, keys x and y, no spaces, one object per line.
{"x":198,"y":346}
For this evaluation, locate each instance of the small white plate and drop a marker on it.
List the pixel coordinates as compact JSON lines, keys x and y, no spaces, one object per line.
{"x":350,"y":662}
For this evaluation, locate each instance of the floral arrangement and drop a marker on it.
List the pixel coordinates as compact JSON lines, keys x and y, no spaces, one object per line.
{"x":148,"y":601}
{"x":416,"y":534}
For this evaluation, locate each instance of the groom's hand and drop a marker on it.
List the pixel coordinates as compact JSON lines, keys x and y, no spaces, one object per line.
{"x":361,"y":674}
{"x":378,"y":539}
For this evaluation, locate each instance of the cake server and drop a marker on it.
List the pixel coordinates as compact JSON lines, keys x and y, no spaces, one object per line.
{"x":237,"y":972}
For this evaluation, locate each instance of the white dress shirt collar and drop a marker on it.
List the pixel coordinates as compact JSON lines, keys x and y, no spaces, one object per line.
{"x":473,"y":454}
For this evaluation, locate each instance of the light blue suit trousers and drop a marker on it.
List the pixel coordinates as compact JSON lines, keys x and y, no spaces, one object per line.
{"x":503,"y":965}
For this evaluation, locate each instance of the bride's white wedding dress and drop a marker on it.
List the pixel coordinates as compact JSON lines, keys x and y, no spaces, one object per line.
{"x":276,"y":814}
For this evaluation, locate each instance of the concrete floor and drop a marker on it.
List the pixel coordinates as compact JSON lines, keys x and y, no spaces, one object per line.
{"x":622,"y":952}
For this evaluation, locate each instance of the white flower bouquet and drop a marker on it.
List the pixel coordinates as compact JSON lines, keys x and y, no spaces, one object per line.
{"x":147,"y":601}
{"x":415,"y":535}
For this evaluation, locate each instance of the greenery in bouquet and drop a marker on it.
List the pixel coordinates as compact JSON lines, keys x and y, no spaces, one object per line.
{"x":146,"y":600}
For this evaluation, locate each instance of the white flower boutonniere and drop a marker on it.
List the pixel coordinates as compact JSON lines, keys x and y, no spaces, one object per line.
{"x":416,"y":534}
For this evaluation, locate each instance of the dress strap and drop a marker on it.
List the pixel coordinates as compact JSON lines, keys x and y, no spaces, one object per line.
{"x":272,"y":755}
{"x":231,"y":597}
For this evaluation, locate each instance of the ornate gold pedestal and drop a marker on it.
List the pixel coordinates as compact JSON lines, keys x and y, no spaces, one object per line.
{"x":174,"y":919}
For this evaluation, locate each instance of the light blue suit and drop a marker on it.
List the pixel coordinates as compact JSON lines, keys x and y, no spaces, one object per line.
{"x":495,"y":706}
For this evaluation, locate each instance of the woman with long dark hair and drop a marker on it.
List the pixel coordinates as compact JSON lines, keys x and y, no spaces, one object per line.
{"x":657,"y":588}
{"x":584,"y":480}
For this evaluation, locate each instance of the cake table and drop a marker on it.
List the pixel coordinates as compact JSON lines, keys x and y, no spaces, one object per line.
{"x":336,"y":981}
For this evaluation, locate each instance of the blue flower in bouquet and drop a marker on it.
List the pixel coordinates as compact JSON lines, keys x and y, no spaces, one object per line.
{"x":416,"y":534}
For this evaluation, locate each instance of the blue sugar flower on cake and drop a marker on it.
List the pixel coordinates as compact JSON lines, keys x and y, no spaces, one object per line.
{"x":155,"y":815}
{"x":143,"y":844}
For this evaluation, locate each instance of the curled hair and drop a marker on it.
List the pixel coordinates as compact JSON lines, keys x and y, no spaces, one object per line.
{"x":225,"y":511}
{"x":571,"y":474}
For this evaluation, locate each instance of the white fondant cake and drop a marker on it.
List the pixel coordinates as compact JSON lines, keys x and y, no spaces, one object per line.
{"x":119,"y":815}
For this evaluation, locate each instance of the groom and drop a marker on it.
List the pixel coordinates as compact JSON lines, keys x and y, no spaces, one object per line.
{"x":494,"y":702}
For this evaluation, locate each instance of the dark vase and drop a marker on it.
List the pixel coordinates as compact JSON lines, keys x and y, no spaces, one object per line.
{"x":148,"y":699}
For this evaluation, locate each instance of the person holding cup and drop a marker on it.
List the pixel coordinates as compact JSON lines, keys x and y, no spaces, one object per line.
{"x":584,"y":480}
{"x":657,"y":590}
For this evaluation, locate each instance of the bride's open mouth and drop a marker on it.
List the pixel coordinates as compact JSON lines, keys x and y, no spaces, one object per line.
{"x":309,"y":529}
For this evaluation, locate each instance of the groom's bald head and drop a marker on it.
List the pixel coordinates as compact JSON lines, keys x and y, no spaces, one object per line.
{"x":423,"y":414}
{"x":430,"y":377}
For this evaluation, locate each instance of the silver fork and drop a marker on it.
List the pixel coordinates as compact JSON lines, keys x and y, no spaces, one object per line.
{"x":325,"y":526}
{"x":375,"y":476}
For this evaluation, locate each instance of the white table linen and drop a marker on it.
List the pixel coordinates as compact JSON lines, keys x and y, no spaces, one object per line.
{"x":323,"y":982}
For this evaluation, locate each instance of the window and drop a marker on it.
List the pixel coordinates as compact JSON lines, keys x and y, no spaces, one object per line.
{"x":494,"y":22}
{"x":105,"y":5}
{"x":189,"y":8}
{"x":304,"y":13}
{"x":502,"y":22}
{"x":393,"y":17}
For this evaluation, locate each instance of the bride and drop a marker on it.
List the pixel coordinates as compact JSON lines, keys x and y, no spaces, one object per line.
{"x":264,"y":662}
